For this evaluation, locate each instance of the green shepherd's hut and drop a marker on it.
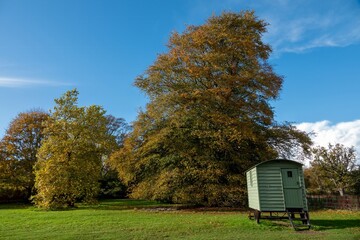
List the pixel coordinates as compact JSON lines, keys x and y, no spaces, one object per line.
{"x":277,"y":187}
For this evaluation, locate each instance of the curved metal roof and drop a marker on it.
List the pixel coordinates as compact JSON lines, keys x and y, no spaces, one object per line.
{"x":274,"y":160}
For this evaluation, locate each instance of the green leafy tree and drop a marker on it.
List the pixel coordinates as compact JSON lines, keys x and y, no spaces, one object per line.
{"x":110,"y":185}
{"x":118,"y":128}
{"x":335,"y":165}
{"x":356,"y":181}
{"x":209,"y":117}
{"x":18,"y":149}
{"x":315,"y":183}
{"x":70,"y":158}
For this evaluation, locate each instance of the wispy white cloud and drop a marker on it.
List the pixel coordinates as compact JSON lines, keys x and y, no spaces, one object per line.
{"x":8,"y":82}
{"x":346,"y":133}
{"x":298,"y":26}
{"x":303,"y":25}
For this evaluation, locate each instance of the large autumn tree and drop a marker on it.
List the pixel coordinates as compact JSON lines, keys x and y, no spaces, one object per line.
{"x":70,"y":158}
{"x":18,"y":149}
{"x":209,"y":117}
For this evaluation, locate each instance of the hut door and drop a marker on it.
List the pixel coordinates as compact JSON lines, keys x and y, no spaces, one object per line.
{"x":292,"y":188}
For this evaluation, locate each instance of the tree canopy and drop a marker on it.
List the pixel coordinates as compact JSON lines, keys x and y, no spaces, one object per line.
{"x":70,"y":158}
{"x":333,"y":169}
{"x":209,"y":117}
{"x":18,"y":149}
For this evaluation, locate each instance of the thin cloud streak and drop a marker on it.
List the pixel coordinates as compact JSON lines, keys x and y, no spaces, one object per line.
{"x":299,"y":26}
{"x":306,"y":25}
{"x":8,"y":82}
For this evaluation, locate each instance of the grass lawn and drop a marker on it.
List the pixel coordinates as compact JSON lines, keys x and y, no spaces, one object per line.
{"x":130,"y":219}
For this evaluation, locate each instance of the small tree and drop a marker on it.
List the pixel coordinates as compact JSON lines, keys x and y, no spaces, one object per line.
{"x":19,"y":148}
{"x":335,"y":165}
{"x":118,"y":128}
{"x":70,"y":158}
{"x":110,"y":184}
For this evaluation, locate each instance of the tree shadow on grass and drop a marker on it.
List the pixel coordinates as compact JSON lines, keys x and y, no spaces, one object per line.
{"x":109,"y":204}
{"x":126,"y":204}
{"x":335,"y":224}
{"x":15,"y":205}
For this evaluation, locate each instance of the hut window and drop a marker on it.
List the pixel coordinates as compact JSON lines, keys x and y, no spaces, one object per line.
{"x":289,"y":174}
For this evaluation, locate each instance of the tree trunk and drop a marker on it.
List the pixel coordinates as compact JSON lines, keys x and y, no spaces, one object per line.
{"x":341,"y":191}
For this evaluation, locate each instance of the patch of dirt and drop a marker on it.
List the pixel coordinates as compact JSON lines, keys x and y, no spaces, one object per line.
{"x":158,"y":209}
{"x":212,"y":209}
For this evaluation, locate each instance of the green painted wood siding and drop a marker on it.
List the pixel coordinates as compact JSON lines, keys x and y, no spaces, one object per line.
{"x":253,"y":191}
{"x":270,"y":189}
{"x":267,"y":191}
{"x":292,"y":188}
{"x":302,"y":181}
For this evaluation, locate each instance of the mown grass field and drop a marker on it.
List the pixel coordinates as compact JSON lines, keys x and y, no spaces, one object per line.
{"x":129,"y":219}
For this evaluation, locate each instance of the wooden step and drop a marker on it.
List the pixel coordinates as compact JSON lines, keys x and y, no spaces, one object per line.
{"x":303,"y":217}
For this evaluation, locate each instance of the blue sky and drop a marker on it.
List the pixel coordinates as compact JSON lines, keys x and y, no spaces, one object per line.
{"x":99,"y":47}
